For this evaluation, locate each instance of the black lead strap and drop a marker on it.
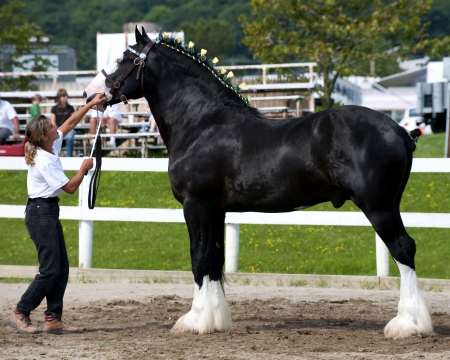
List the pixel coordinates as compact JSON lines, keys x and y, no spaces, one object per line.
{"x":95,"y":180}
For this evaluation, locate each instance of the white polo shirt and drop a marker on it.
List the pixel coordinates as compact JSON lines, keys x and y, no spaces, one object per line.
{"x":46,"y":177}
{"x":7,"y":114}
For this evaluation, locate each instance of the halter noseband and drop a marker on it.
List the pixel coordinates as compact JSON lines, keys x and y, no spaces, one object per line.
{"x":140,"y":62}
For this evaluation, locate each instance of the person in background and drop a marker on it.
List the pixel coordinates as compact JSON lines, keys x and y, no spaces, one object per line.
{"x":45,"y":182}
{"x":153,"y":126}
{"x":59,"y":114}
{"x":35,"y":110}
{"x":9,"y":123}
{"x":112,"y":116}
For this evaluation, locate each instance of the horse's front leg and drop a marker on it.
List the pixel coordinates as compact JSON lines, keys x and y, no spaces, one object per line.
{"x":210,"y":310}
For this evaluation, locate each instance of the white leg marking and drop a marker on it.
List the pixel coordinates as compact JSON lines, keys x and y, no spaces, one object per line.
{"x":209,"y":312}
{"x":413,"y":317}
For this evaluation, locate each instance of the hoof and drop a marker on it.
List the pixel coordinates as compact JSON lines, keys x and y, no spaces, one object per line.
{"x":398,"y":328}
{"x":180,"y":327}
{"x":209,"y":313}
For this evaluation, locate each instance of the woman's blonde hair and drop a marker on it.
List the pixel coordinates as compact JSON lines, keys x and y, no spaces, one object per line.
{"x":35,"y":133}
{"x":59,"y":95}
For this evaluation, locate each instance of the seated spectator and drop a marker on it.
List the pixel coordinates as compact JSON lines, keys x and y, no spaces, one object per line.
{"x":35,"y":110}
{"x":111,"y":116}
{"x":154,"y":128}
{"x":9,"y":123}
{"x":59,"y":114}
{"x":153,"y":125}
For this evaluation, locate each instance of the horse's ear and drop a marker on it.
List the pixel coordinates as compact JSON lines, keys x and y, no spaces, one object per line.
{"x":139,"y":38}
{"x":145,"y":36}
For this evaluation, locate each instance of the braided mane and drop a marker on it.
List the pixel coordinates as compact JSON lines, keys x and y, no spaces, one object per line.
{"x":189,"y":51}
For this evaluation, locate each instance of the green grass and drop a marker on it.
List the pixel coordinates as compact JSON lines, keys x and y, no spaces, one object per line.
{"x":430,"y":146}
{"x":264,"y":248}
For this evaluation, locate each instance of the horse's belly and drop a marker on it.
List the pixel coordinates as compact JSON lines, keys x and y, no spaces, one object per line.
{"x":283,"y":200}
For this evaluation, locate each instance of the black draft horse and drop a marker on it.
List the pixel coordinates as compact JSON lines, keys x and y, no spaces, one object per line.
{"x":224,"y":156}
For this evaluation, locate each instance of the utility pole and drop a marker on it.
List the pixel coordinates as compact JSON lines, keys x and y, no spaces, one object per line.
{"x":446,"y":76}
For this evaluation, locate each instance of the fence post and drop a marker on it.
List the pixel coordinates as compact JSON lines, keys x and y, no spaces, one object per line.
{"x":231,"y":247}
{"x":382,"y":254}
{"x":85,"y":227}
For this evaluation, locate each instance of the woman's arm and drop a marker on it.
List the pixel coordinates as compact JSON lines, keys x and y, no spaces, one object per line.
{"x":77,"y":116}
{"x":53,"y":119}
{"x":16,"y":133}
{"x":76,"y":181}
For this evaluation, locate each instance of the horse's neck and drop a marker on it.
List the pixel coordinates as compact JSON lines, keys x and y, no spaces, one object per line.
{"x":179,"y":108}
{"x":185,"y":97}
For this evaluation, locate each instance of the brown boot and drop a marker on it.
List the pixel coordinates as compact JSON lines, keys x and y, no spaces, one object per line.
{"x":22,"y":323}
{"x":55,"y":326}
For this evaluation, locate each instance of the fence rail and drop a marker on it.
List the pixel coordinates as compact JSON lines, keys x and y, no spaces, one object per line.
{"x":87,"y":217}
{"x":262,"y":67}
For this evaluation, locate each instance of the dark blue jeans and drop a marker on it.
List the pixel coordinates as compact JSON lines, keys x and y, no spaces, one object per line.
{"x":42,"y":222}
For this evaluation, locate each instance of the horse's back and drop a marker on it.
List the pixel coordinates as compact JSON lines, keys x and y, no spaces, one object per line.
{"x":350,"y":129}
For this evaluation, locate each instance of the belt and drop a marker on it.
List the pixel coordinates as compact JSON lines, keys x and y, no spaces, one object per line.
{"x":44,"y":200}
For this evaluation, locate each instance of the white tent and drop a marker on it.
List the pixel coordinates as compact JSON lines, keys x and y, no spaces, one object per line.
{"x":111,"y":46}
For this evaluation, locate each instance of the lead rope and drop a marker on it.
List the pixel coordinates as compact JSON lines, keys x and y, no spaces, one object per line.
{"x":95,"y":180}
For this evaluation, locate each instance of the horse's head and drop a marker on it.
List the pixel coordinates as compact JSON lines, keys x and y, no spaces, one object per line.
{"x":123,"y":78}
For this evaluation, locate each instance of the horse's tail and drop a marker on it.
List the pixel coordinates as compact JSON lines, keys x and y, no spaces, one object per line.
{"x":410,"y":142}
{"x":411,"y":139}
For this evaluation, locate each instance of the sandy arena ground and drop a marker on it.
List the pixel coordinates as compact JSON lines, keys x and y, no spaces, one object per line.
{"x":133,"y":321}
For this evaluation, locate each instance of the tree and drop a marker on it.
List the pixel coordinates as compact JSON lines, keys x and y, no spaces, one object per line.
{"x":18,"y":37}
{"x":212,"y":35}
{"x":342,"y":36}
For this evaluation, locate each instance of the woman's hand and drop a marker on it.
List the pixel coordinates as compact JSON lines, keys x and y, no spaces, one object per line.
{"x":87,"y":165}
{"x":75,"y":182}
{"x":98,"y":99}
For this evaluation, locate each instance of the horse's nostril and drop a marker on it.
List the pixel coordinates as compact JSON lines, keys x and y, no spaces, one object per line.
{"x":84,"y":93}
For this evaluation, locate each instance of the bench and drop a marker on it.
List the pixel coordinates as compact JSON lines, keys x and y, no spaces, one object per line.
{"x":297,"y":99}
{"x":143,"y":136}
{"x":274,"y":109}
{"x":17,"y":147}
{"x":14,"y":149}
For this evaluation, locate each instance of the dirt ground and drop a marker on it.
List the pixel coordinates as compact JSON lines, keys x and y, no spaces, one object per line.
{"x":133,"y":321}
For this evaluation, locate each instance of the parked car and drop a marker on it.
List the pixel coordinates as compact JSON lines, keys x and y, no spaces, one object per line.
{"x":411,"y":120}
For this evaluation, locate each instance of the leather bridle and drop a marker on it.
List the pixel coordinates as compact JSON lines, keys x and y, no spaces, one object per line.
{"x":140,"y":62}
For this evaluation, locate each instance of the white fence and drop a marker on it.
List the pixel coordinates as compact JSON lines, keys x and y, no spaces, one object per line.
{"x":87,"y":217}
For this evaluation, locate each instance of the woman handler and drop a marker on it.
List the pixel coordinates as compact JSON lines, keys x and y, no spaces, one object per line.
{"x":46,"y":180}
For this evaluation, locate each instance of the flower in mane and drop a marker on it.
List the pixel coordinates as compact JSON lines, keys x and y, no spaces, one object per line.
{"x":189,"y":51}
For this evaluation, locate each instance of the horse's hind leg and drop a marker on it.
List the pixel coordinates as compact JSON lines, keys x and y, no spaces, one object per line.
{"x":210,"y":310}
{"x":413,"y":317}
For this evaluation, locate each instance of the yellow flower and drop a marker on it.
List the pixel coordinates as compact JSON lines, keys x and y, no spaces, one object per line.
{"x":179,"y":39}
{"x":166,"y":35}
{"x":242,"y":86}
{"x":215,"y":60}
{"x":191,"y":44}
{"x":203,"y":52}
{"x":223,"y":71}
{"x":230,"y":75}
